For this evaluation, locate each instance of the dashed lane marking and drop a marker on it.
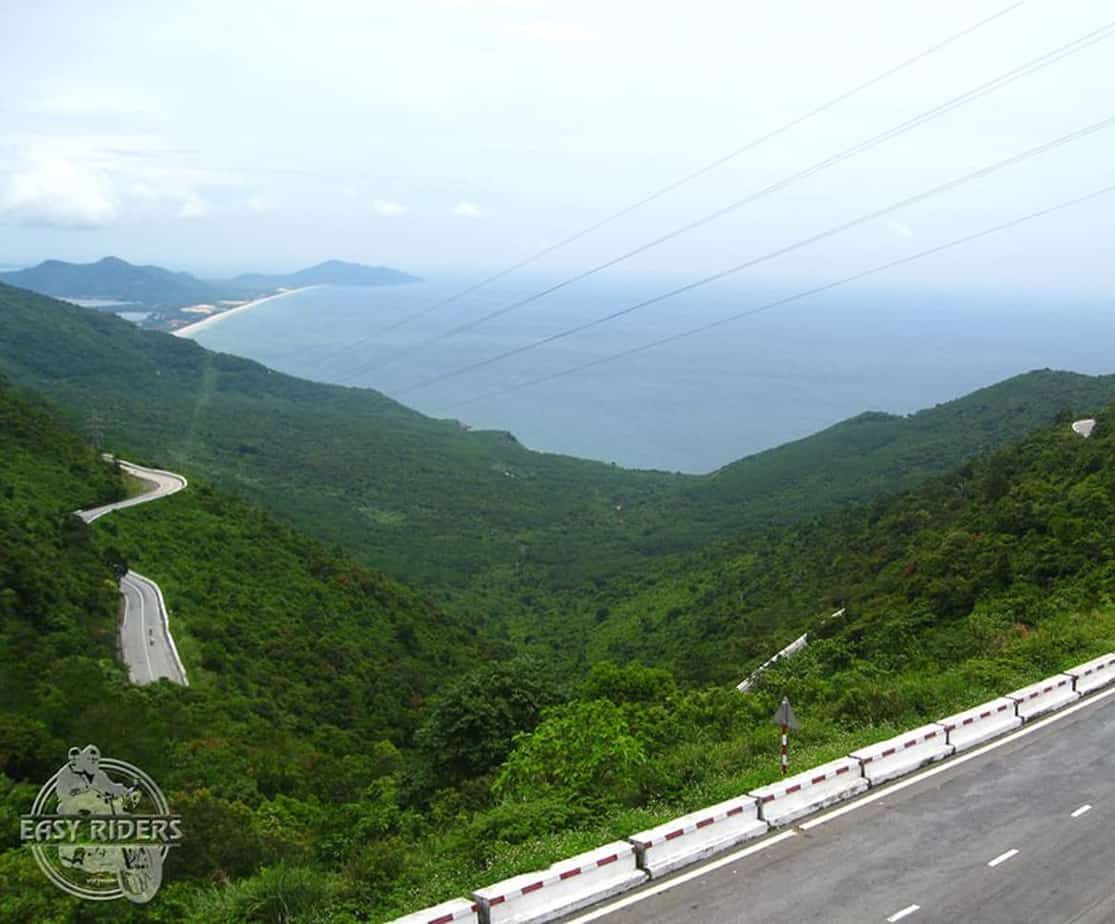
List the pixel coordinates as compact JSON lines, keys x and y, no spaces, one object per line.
{"x":1002,"y":858}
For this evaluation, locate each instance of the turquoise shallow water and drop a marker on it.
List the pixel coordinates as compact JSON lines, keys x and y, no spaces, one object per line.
{"x":693,"y":405}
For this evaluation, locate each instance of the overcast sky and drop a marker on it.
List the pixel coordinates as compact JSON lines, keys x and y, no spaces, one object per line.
{"x":464,"y":134}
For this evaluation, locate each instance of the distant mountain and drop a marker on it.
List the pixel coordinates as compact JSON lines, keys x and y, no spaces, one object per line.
{"x":150,"y":286}
{"x":332,"y":272}
{"x":162,"y":290}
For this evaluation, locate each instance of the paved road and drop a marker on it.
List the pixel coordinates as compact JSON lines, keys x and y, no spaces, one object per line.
{"x":146,"y":644}
{"x":160,"y":484}
{"x":144,"y":641}
{"x":931,"y":844}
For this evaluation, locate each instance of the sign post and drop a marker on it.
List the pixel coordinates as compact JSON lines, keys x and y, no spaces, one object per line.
{"x":785,"y":717}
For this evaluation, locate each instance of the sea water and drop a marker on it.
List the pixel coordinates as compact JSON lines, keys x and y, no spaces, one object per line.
{"x":691,"y":405}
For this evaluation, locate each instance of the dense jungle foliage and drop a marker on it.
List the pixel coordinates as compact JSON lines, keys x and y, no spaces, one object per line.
{"x":490,"y":526}
{"x":315,"y":789}
{"x":308,"y":671}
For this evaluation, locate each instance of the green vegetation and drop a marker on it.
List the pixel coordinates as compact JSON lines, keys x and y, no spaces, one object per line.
{"x":112,"y":278}
{"x":308,"y":670}
{"x":508,"y":538}
{"x":323,"y":777}
{"x":939,"y":550}
{"x":964,"y":589}
{"x":423,"y":499}
{"x":164,"y":291}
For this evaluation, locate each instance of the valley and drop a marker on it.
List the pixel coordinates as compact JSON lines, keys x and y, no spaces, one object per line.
{"x":554,"y":676}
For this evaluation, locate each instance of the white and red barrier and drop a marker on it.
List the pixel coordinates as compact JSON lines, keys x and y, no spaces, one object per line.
{"x":564,"y":887}
{"x":888,"y":759}
{"x":1094,"y":674}
{"x":451,"y":912}
{"x":1044,"y":696}
{"x":783,"y":802}
{"x":697,"y":835}
{"x":975,"y":726}
{"x":567,"y":886}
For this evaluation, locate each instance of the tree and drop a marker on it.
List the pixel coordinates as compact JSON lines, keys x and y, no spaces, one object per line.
{"x":582,"y":750}
{"x":629,"y":683}
{"x":470,"y":728}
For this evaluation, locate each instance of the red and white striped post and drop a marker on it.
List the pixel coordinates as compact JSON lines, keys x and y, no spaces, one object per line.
{"x":785,"y":717}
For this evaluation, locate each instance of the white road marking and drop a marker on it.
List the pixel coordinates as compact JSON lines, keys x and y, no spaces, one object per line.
{"x":1080,"y":811}
{"x":949,"y":764}
{"x":904,"y":913}
{"x":1002,"y":858}
{"x":946,"y":765}
{"x":142,"y":640}
{"x":159,"y":483}
{"x":137,"y":587}
{"x":679,"y":880}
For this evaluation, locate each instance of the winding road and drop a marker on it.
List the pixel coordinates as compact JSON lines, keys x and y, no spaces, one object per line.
{"x":146,"y":644}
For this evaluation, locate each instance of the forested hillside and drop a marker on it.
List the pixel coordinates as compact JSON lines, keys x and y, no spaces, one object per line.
{"x":498,"y":529}
{"x":113,"y":278}
{"x":422,"y":498}
{"x":159,"y":289}
{"x":324,"y":774}
{"x":970,"y":586}
{"x":1007,"y":526}
{"x":308,"y":671}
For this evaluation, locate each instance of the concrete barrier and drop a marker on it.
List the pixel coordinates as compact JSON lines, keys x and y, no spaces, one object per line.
{"x":1044,"y":696}
{"x":781,"y":803}
{"x":446,"y":913}
{"x":975,"y":726}
{"x":793,"y":648}
{"x":697,"y":835}
{"x":1094,"y":674}
{"x":1084,"y":428}
{"x":888,"y":759}
{"x":564,"y":887}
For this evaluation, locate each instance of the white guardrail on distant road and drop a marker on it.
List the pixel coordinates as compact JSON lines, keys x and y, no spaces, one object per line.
{"x":163,"y":484}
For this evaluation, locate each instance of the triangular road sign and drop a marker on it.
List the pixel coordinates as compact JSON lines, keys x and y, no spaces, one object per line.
{"x":785,"y":715}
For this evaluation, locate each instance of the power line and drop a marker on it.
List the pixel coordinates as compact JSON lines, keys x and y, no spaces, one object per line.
{"x":770,"y":255}
{"x":893,"y":264}
{"x":689,"y":177}
{"x":984,"y":89}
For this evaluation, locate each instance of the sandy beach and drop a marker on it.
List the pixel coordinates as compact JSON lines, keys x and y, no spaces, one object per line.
{"x":190,"y":329}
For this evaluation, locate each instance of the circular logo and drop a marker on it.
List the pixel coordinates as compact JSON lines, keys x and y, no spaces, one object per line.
{"x":100,"y":829}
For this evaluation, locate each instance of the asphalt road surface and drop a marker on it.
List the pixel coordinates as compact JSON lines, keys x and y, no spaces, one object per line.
{"x":1022,"y":833}
{"x":159,"y":483}
{"x":145,"y":642}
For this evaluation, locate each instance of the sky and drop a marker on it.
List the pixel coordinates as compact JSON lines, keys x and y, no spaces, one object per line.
{"x":465,"y":135}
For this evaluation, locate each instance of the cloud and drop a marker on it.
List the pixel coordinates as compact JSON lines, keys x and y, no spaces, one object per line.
{"x":193,"y":206}
{"x":84,"y":99}
{"x":900,"y":229}
{"x":260,"y":204}
{"x":550,"y":31}
{"x":57,"y":193}
{"x":466,"y":209}
{"x":484,"y":4}
{"x":386,"y":208}
{"x":92,"y":180}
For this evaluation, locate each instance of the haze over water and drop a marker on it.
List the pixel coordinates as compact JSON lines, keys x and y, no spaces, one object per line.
{"x":692,"y":405}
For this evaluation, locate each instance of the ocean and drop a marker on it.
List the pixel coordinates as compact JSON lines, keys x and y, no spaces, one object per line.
{"x":694,"y":404}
